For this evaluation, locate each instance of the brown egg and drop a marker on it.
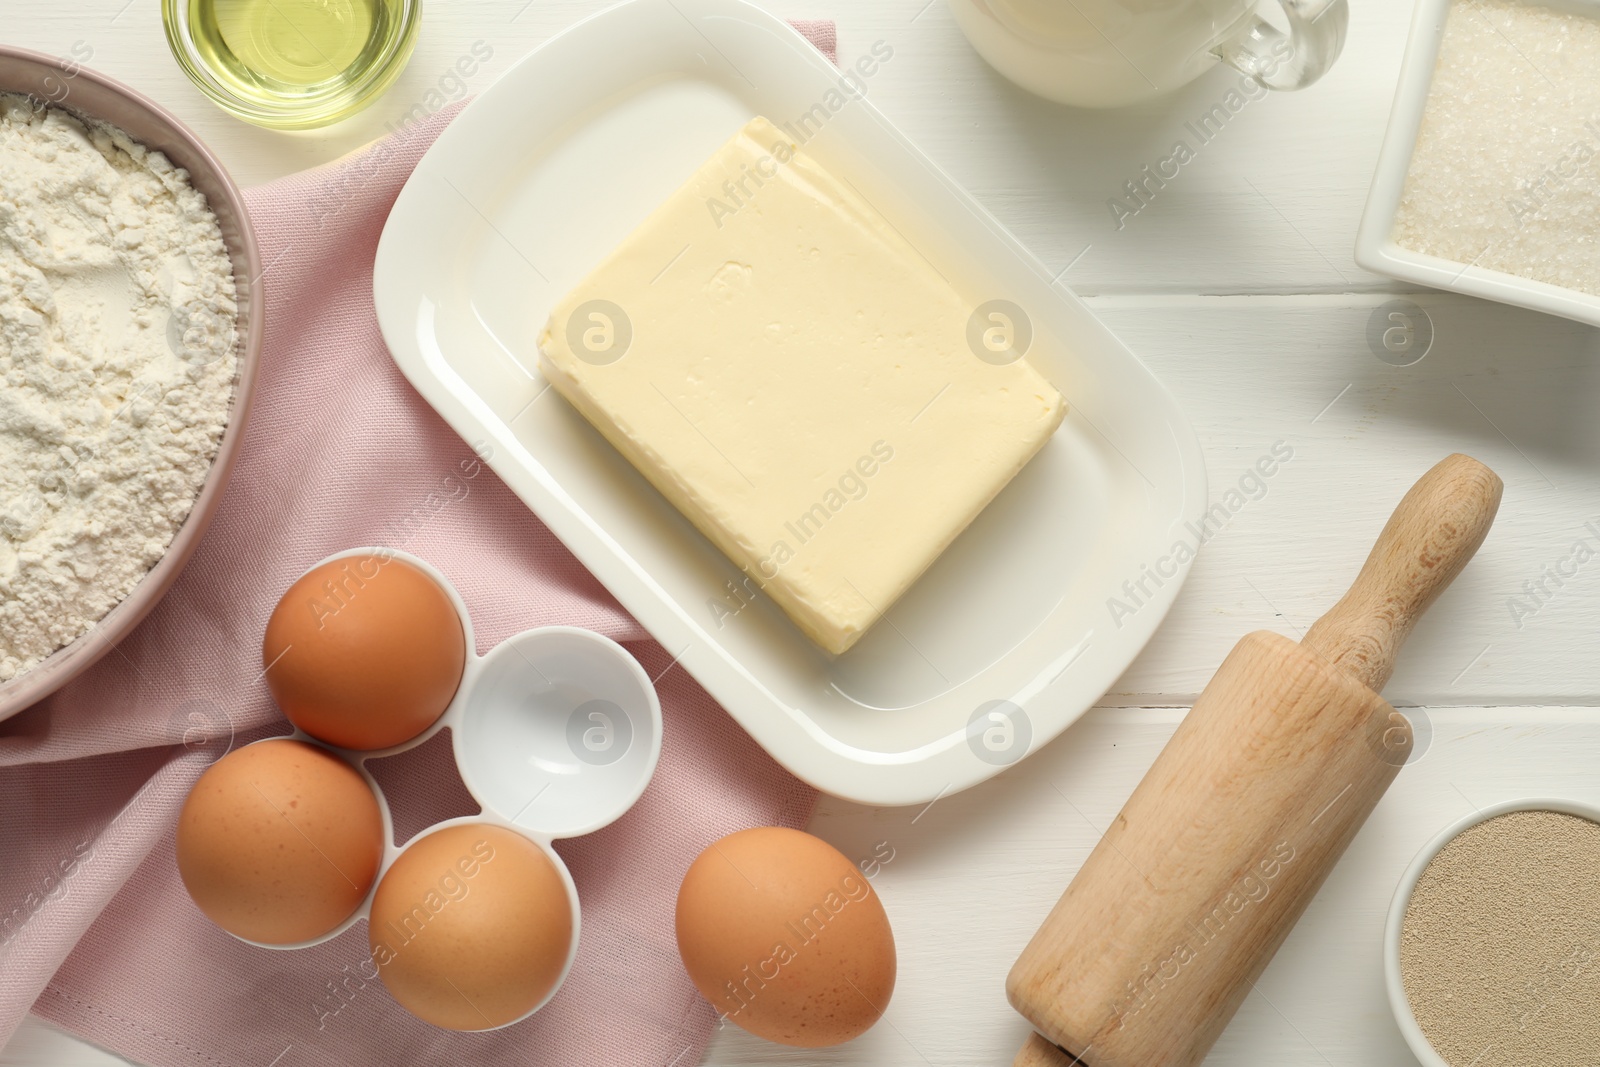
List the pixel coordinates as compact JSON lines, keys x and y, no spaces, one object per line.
{"x":786,"y":938}
{"x":280,"y":841}
{"x":364,"y":652}
{"x":471,"y":926}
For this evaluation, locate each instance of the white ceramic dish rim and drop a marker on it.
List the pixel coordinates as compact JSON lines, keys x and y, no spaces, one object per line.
{"x":1399,"y":1003}
{"x":923,"y":769}
{"x":1376,"y":249}
{"x":451,"y":719}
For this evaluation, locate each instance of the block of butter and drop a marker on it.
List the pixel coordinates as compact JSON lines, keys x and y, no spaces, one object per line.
{"x":787,"y":369}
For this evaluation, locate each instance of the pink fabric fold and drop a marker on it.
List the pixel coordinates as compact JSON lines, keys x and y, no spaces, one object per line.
{"x":96,"y":932}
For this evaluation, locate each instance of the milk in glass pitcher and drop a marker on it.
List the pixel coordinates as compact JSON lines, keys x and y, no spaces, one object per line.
{"x":1106,"y":53}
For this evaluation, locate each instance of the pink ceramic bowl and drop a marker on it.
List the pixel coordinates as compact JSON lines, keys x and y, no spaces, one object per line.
{"x":95,"y":96}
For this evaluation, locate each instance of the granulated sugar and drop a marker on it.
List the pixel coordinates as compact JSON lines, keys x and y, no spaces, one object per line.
{"x":1506,"y":171}
{"x":1500,"y":947}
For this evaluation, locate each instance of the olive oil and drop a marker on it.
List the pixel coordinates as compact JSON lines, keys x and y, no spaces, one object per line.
{"x":293,"y":63}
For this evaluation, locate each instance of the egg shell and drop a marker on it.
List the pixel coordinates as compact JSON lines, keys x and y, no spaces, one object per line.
{"x":471,"y":927}
{"x":279,"y":842}
{"x":364,"y":652}
{"x":786,"y":938}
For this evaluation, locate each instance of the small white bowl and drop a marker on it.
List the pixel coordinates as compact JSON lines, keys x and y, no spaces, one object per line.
{"x":1376,"y":249}
{"x":1398,"y":1001}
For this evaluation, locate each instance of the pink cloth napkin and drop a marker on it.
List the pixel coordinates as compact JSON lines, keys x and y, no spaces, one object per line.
{"x":96,"y":932}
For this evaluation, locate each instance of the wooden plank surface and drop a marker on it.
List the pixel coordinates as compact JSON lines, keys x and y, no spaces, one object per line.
{"x":1509,"y":387}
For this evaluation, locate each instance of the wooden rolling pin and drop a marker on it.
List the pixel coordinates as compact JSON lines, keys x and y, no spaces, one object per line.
{"x":1179,"y":909}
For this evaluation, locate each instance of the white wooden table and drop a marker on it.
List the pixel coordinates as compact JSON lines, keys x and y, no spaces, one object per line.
{"x":1236,"y":284}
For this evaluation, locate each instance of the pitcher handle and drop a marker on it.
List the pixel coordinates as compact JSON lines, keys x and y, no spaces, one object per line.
{"x":1292,"y":60}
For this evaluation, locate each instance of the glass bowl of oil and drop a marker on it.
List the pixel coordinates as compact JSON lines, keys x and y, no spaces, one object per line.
{"x":292,"y":64}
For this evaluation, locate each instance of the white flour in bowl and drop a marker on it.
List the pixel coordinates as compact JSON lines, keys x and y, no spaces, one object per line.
{"x":117,"y":316}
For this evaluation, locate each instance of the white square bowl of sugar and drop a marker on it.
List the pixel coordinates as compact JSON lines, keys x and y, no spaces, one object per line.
{"x":1488,"y":178}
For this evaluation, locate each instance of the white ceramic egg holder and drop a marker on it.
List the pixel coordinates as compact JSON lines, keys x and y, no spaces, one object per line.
{"x":512,"y":720}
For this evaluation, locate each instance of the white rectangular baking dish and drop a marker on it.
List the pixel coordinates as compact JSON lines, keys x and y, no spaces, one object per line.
{"x":1376,"y":249}
{"x":1011,"y":635}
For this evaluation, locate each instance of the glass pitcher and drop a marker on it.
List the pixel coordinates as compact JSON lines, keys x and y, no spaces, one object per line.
{"x":1107,"y":53}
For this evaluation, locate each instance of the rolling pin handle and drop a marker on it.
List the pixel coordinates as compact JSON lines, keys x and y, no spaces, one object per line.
{"x":1437,"y":527}
{"x":1240,"y":798}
